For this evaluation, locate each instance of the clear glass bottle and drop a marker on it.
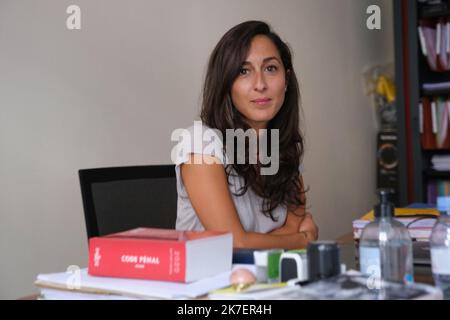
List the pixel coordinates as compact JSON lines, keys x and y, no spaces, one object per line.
{"x":385,"y":247}
{"x":440,"y":247}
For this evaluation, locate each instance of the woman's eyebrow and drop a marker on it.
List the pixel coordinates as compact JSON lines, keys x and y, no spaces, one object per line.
{"x":264,"y":61}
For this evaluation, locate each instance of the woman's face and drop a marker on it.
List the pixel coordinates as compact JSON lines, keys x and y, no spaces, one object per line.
{"x":258,"y":92}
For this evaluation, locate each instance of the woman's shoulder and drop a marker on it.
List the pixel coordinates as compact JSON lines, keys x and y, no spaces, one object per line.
{"x":197,"y":139}
{"x":301,"y":167}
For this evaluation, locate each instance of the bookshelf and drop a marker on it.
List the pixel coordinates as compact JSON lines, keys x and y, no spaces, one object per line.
{"x":412,"y":71}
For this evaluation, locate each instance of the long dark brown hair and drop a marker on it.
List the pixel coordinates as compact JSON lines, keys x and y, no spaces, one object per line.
{"x":218,"y":112}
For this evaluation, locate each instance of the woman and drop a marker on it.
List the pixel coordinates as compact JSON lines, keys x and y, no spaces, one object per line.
{"x":250,"y":84}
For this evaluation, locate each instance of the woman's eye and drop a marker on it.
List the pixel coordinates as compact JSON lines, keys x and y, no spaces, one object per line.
{"x":272,"y":68}
{"x":243,"y":71}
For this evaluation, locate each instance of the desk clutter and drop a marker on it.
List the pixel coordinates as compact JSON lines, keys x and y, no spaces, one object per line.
{"x":147,"y":263}
{"x":150,"y":263}
{"x":314,"y":273}
{"x":392,"y":240}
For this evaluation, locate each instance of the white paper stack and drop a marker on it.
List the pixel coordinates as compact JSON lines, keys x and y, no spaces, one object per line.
{"x":441,"y":162}
{"x":418,"y":228}
{"x":80,"y":285}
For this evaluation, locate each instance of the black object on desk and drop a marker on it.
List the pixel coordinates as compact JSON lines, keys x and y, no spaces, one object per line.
{"x":323,"y":260}
{"x":243,"y":256}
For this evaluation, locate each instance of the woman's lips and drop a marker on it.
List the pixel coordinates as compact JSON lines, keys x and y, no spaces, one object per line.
{"x":261,"y":102}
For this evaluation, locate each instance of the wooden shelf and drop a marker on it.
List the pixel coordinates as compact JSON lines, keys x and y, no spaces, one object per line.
{"x":436,"y":151}
{"x":435,"y":92}
{"x":430,"y":173}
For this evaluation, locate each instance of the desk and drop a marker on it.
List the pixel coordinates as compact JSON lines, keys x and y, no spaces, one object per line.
{"x":348,"y":249}
{"x":30,"y":297}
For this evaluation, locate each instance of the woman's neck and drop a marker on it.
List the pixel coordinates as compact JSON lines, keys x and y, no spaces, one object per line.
{"x":257,"y":126}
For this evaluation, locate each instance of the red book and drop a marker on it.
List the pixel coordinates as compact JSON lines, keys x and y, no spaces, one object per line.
{"x":161,"y":254}
{"x":428,"y":136}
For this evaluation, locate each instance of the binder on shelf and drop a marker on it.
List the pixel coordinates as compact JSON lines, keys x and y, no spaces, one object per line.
{"x":427,"y":136}
{"x":434,"y":119}
{"x":442,"y":132}
{"x":427,"y":36}
{"x":442,"y":44}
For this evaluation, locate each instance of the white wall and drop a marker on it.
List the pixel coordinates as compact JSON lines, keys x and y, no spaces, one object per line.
{"x":111,"y":94}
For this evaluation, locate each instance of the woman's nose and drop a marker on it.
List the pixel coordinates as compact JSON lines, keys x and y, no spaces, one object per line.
{"x":260,"y":82}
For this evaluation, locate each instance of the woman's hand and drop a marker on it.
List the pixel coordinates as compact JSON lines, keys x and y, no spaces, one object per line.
{"x":309,"y":227}
{"x":299,"y":224}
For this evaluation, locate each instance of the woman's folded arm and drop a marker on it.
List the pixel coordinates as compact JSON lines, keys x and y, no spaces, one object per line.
{"x":207,"y":188}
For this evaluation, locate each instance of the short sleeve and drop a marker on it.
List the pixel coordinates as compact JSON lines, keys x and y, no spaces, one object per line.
{"x":198,"y":139}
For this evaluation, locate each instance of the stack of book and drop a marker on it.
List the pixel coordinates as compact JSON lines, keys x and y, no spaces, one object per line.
{"x":419,"y":221}
{"x":146,"y":263}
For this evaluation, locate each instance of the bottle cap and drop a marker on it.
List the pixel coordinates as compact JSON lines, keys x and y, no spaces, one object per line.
{"x":323,"y":260}
{"x":384,"y":209}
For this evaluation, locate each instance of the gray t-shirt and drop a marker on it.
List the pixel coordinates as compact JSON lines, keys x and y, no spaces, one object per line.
{"x":248,"y":206}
